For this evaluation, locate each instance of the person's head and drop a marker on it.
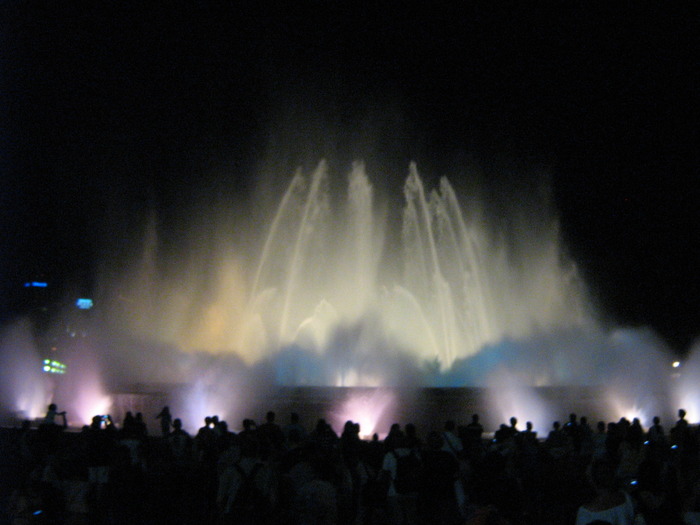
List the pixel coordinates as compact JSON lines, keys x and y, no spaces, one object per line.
{"x":513,"y":421}
{"x":556,"y":425}
{"x":601,"y":426}
{"x":528,"y":425}
{"x":475,"y":418}
{"x":52,"y":406}
{"x":681,"y":413}
{"x":656,"y":420}
{"x":270,"y":417}
{"x":177,"y":424}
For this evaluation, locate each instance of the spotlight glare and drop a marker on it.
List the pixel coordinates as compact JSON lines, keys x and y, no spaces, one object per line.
{"x":368,"y":409}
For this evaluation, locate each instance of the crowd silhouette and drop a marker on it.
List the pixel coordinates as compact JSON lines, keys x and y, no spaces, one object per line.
{"x":108,"y":473}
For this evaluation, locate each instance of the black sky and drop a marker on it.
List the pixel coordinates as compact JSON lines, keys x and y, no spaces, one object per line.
{"x":146,"y":105}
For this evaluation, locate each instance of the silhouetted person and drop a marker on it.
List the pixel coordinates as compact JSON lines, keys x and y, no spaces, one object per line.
{"x":52,"y":413}
{"x":438,"y":502}
{"x":452,"y":443}
{"x":324,"y":436}
{"x":472,"y":438}
{"x":497,"y":486}
{"x":630,"y":455}
{"x":635,"y":432}
{"x":527,"y":439}
{"x":245,"y":488}
{"x":271,"y":436}
{"x":656,"y":432}
{"x":395,"y":434}
{"x":656,"y":438}
{"x":682,"y":422}
{"x":49,"y":430}
{"x":679,"y":433}
{"x":350,"y":444}
{"x":99,"y":449}
{"x":180,"y":444}
{"x":502,"y":434}
{"x":294,"y":431}
{"x":557,"y":442}
{"x":513,"y":429}
{"x":226,"y":438}
{"x":412,"y":439}
{"x":129,"y":427}
{"x":609,"y":503}
{"x":140,"y":426}
{"x":474,"y":429}
{"x":614,"y":435}
{"x":573,"y":432}
{"x":586,"y":433}
{"x":206,"y":443}
{"x":402,"y":467}
{"x":600,"y":439}
{"x":166,"y":420}
{"x":249,"y":432}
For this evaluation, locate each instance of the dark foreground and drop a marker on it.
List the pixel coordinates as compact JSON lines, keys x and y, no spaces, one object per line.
{"x":110,"y":475}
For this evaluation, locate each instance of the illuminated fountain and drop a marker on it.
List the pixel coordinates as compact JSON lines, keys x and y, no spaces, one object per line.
{"x":346,"y":293}
{"x":327,"y":280}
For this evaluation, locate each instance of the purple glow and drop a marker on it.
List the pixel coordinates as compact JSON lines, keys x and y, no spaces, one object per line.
{"x":373,"y":410}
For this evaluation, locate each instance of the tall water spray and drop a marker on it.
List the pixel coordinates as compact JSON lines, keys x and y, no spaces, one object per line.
{"x":455,"y":286}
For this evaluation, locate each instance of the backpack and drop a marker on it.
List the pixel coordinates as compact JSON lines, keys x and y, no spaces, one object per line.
{"x":249,"y":503}
{"x":408,"y":473}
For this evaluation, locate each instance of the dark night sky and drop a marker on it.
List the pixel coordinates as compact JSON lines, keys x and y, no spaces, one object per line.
{"x":146,"y":105}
